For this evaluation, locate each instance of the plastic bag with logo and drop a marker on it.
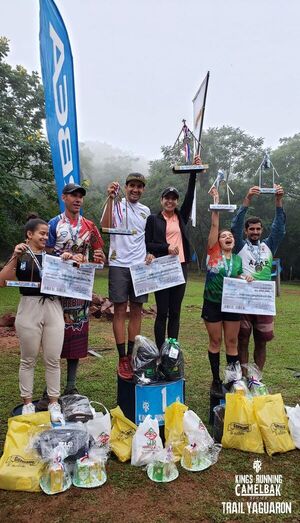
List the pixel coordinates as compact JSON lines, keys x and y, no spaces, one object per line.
{"x":74,"y":438}
{"x":172,"y":362}
{"x":76,"y":407}
{"x":163,"y":468}
{"x":233,"y":379}
{"x":122,"y":433}
{"x":293,"y":414}
{"x":241,"y":430}
{"x":273,"y":423}
{"x":144,"y":360}
{"x":146,"y":442}
{"x":99,"y":428}
{"x":255,"y":384}
{"x":196,"y":431}
{"x":56,"y":476}
{"x":198,"y":454}
{"x":89,"y":471}
{"x":174,"y":433}
{"x":20,"y":466}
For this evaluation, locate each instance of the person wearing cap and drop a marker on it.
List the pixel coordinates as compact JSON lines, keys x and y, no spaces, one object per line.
{"x":166,"y":233}
{"x":124,"y":251}
{"x":72,"y":236}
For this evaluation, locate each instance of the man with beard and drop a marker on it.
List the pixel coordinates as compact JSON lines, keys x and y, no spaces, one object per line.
{"x":257,"y":256}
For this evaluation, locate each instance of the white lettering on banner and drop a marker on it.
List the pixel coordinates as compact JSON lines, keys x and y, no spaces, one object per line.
{"x":61,"y":105}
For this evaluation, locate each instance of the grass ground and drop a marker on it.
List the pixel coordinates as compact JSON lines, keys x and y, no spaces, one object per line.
{"x":129,"y":495}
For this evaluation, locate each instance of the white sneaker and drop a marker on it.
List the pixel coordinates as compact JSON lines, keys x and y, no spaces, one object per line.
{"x":29,"y":408}
{"x":56,"y":414}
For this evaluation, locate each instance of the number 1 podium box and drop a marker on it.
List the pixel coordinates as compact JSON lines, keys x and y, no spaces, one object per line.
{"x":137,"y":400}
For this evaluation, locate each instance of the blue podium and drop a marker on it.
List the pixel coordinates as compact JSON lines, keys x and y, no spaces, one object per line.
{"x":137,"y":401}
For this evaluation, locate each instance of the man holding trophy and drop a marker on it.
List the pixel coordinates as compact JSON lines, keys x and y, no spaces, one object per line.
{"x":257,"y":256}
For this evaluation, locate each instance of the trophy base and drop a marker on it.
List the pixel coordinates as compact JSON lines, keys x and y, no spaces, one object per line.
{"x":189,"y":168}
{"x":30,"y":284}
{"x":118,"y":230}
{"x":267,"y":190}
{"x":222,"y":207}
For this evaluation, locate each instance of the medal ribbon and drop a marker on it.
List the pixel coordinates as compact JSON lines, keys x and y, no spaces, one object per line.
{"x":74,"y":237}
{"x":228,"y":270}
{"x":256,"y":254}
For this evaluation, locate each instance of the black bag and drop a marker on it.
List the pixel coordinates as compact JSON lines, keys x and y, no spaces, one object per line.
{"x":76,"y":408}
{"x":172,"y":362}
{"x":144,"y":360}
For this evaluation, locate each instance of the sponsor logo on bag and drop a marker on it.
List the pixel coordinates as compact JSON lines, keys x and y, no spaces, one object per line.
{"x":103,"y":439}
{"x":239,"y":428}
{"x":19,"y":461}
{"x":151,"y":435}
{"x":278,"y":428}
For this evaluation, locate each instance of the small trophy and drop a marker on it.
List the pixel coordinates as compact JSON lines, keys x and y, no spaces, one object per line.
{"x":187,"y":141}
{"x":216,"y":206}
{"x":266,"y":168}
{"x":30,"y":284}
{"x":117,"y":222}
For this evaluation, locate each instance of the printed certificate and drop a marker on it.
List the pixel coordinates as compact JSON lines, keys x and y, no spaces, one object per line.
{"x":61,"y":278}
{"x":256,"y":297}
{"x":162,"y":273}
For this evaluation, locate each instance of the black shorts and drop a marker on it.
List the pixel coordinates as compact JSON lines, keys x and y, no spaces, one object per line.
{"x":121,"y":288}
{"x":212,"y":313}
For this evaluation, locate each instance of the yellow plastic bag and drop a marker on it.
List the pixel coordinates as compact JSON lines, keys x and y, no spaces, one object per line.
{"x":121,"y":435}
{"x":174,"y":432}
{"x":240,"y":427}
{"x":21,"y":468}
{"x":273,"y":423}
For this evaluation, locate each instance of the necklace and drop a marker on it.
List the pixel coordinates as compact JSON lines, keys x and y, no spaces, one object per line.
{"x":256,"y":253}
{"x":228,"y":269}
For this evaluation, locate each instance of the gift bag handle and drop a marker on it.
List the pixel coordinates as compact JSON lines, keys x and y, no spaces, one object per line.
{"x":98,"y":403}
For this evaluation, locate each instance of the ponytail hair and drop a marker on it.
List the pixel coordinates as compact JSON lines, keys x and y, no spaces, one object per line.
{"x":32,"y":223}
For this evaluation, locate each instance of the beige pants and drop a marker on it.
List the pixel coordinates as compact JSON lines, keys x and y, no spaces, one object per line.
{"x":40,"y":324}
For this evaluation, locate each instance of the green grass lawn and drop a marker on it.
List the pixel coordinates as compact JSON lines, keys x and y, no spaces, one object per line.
{"x":129,"y":494}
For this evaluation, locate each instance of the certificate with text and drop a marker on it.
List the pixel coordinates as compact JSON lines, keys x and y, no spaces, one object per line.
{"x":256,"y":297}
{"x":61,"y":278}
{"x":160,"y":274}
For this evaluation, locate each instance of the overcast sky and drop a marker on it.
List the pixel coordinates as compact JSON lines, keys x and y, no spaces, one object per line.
{"x":138,"y":64}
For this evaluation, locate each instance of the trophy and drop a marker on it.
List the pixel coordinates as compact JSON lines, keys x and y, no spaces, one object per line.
{"x":30,"y":284}
{"x":266,"y":168}
{"x":117,"y":222}
{"x":189,"y":141}
{"x":216,"y":206}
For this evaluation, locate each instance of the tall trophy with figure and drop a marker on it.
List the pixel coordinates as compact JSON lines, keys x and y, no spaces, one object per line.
{"x":266,"y":176}
{"x":114,"y":218}
{"x":191,"y":140}
{"x":217,"y":206}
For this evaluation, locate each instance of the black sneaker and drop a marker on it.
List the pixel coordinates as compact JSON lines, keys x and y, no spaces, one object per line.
{"x":216,"y":389}
{"x":67,"y":391}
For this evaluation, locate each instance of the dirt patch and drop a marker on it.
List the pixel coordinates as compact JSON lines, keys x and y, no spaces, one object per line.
{"x":9,"y":338}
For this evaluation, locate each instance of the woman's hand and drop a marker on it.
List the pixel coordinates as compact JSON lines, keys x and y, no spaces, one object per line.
{"x":66,"y":256}
{"x":248,"y":278}
{"x":20,"y":249}
{"x":149,"y":258}
{"x":173,"y":249}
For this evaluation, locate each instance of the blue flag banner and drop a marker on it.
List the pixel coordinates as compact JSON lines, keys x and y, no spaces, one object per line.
{"x":58,"y":80}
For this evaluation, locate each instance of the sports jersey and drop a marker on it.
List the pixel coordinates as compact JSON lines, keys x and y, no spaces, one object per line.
{"x":73,"y":236}
{"x":217,"y":271}
{"x":127,"y":250}
{"x":257,"y":258}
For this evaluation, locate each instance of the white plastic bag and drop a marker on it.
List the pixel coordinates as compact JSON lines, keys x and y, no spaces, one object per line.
{"x":196,"y":431}
{"x":293,"y":413}
{"x":100,"y":426}
{"x":146,"y":442}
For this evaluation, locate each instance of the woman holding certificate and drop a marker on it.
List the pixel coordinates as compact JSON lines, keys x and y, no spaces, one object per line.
{"x":220,"y":263}
{"x":166,"y":234}
{"x":39,"y":321}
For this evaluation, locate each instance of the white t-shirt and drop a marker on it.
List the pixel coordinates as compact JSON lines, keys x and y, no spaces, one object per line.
{"x":125,"y":251}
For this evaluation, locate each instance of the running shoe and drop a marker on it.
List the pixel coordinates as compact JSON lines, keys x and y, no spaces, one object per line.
{"x":125,"y":369}
{"x":29,"y":408}
{"x":56,"y":414}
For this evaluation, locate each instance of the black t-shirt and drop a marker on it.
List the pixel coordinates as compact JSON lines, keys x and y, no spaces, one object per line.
{"x":28,"y":271}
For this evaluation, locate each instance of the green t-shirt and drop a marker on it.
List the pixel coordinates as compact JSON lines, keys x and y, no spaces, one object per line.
{"x":216,"y":272}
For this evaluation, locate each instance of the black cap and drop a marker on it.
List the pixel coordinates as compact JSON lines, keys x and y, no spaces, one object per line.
{"x":135,"y":177}
{"x":73,"y":187}
{"x":169,"y":190}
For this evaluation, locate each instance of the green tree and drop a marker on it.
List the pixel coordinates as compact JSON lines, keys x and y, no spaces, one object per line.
{"x":26,"y":174}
